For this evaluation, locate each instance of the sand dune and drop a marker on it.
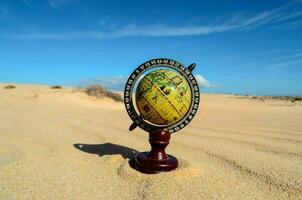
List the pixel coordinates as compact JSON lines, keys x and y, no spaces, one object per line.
{"x":63,"y":144}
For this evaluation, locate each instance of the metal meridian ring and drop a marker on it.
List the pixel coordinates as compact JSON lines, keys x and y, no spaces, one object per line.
{"x":161,"y":62}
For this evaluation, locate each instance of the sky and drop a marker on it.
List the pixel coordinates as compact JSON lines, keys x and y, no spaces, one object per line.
{"x":249,"y":47}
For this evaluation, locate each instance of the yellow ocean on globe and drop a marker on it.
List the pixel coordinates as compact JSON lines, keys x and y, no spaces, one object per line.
{"x":163,"y":97}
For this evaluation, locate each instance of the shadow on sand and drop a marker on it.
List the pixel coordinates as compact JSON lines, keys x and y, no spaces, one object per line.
{"x":109,"y":149}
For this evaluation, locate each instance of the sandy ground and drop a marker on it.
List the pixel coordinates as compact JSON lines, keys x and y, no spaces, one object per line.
{"x":61,"y":144}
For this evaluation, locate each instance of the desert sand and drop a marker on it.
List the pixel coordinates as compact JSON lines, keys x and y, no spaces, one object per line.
{"x":63,"y":144}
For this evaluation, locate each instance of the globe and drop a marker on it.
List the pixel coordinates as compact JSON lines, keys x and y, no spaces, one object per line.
{"x":163,"y":97}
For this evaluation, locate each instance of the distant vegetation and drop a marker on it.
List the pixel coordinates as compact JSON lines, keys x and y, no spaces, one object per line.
{"x":263,"y":98}
{"x":100,"y":91}
{"x":9,"y":87}
{"x":56,"y":87}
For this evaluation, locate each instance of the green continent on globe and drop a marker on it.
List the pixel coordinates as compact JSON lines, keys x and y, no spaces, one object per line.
{"x":163,"y":97}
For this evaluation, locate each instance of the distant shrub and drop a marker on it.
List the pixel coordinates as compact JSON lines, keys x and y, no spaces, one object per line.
{"x":298,"y":99}
{"x":9,"y":87}
{"x":115,"y":96}
{"x":56,"y":87}
{"x":96,"y":90}
{"x":100,"y":91}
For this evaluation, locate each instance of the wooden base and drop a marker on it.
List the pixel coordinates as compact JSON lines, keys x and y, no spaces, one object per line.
{"x":156,"y":160}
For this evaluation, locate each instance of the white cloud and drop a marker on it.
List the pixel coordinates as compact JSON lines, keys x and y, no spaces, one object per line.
{"x":285,"y":64}
{"x":203,"y":83}
{"x":26,"y":2}
{"x":56,"y":3}
{"x":280,"y":16}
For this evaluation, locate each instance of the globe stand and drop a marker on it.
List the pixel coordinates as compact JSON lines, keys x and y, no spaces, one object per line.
{"x":156,"y":160}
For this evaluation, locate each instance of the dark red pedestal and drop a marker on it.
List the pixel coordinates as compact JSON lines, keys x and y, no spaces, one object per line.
{"x":156,"y":160}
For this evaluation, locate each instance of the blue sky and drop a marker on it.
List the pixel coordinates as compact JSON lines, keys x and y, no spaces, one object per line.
{"x":246,"y":47}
